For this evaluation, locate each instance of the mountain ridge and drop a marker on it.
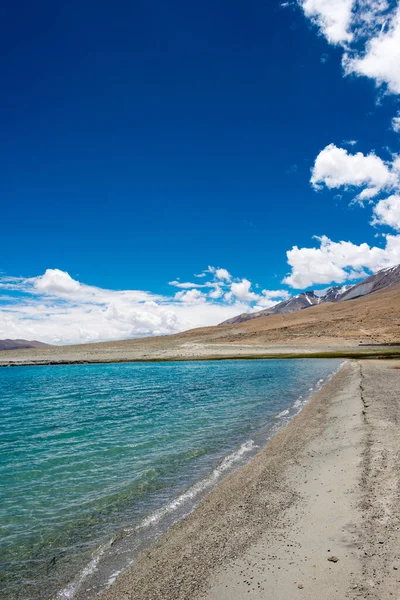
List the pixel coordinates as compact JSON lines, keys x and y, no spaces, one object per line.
{"x":373,"y":283}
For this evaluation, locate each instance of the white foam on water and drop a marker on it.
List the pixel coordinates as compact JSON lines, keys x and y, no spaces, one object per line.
{"x":69,"y":592}
{"x":199,"y":487}
{"x":113,"y":577}
{"x":282,"y":414}
{"x":299,"y":402}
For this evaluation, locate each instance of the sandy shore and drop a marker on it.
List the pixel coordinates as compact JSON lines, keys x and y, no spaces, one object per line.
{"x":326,"y":486}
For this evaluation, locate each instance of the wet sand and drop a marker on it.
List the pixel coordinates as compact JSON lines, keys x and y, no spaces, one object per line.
{"x":327,"y":486}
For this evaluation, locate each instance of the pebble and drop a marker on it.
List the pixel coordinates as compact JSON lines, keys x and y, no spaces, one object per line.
{"x":333,"y":559}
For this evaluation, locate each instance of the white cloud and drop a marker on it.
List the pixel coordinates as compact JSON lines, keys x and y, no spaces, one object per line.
{"x":333,"y":17}
{"x":217,"y":292}
{"x":338,"y":261}
{"x":223,"y":274}
{"x":335,"y":168}
{"x":271,"y":297}
{"x":276,"y":294}
{"x":56,"y":282}
{"x":381,"y":59}
{"x":342,"y":261}
{"x":369,"y":32}
{"x":186,"y":285}
{"x":58,"y":309}
{"x":396,"y":123}
{"x":220,"y":274}
{"x":387,"y":212}
{"x":242,"y":291}
{"x":367,"y":194}
{"x":190,"y":297}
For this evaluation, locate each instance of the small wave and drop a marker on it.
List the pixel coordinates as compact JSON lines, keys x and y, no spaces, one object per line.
{"x":68,"y":592}
{"x":112,"y":578}
{"x":199,"y":487}
{"x":284,"y":413}
{"x":299,"y":402}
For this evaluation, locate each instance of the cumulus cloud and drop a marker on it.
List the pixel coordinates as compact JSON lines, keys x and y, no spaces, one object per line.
{"x":333,"y":17}
{"x":223,"y":274}
{"x":217,"y":272}
{"x":335,"y":167}
{"x":343,"y":261}
{"x":56,"y":308}
{"x":387,"y":212}
{"x":191,"y":296}
{"x":368,"y":31}
{"x":339,"y":261}
{"x":381,"y":58}
{"x":55,"y":281}
{"x":242,"y":291}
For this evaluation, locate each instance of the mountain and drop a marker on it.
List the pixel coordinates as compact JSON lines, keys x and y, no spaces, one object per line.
{"x":299,"y":302}
{"x":21,"y":344}
{"x":379,"y":281}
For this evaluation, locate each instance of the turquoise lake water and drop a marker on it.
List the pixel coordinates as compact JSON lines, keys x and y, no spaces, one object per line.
{"x":91,"y":454}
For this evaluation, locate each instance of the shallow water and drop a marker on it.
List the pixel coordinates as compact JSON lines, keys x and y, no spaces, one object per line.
{"x":93,"y":453}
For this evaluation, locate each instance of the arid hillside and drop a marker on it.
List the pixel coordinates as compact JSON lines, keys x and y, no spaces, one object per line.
{"x":372,"y":319}
{"x":350,"y":325}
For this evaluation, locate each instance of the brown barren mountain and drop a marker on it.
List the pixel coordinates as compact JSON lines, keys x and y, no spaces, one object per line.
{"x":372,"y":319}
{"x":368,"y":320}
{"x":21,"y":344}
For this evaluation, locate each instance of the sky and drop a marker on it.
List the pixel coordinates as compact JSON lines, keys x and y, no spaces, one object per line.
{"x":168,"y":166}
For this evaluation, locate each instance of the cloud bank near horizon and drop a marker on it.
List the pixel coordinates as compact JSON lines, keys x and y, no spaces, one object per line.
{"x":58,"y":309}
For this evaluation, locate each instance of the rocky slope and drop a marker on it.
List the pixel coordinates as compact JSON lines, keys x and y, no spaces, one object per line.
{"x":379,"y":281}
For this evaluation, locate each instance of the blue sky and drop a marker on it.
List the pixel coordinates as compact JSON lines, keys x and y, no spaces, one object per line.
{"x":143,"y":142}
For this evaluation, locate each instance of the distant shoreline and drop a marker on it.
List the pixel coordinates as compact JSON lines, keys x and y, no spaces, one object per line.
{"x":340,"y":354}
